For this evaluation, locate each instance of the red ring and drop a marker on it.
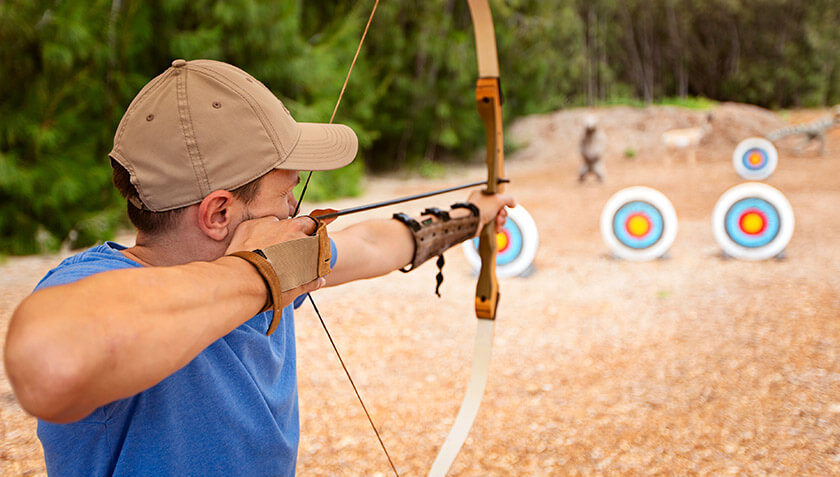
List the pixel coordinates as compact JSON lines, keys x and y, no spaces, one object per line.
{"x":507,"y":241}
{"x":647,"y":219}
{"x":758,"y":212}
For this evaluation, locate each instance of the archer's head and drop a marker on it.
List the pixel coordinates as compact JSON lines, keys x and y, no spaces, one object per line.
{"x":202,"y":126}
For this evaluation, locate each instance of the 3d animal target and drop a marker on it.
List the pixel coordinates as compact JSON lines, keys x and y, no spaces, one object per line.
{"x":753,"y":221}
{"x":755,"y":158}
{"x":639,"y":224}
{"x":517,"y":245}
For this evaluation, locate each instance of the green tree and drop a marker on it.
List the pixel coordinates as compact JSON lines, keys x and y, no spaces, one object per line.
{"x":69,"y":69}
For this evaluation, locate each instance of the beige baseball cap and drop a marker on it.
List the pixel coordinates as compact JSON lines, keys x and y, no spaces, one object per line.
{"x":204,"y":125}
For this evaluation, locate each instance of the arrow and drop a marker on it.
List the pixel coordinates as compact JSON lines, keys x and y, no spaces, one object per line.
{"x":408,"y":198}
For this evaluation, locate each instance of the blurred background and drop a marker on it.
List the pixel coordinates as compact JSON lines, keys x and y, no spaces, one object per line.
{"x":69,"y":69}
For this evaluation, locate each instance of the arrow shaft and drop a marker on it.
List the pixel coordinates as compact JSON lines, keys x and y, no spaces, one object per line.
{"x":400,"y":200}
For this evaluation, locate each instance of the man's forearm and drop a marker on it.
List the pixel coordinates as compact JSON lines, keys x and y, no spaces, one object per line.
{"x":75,"y":347}
{"x":375,"y":247}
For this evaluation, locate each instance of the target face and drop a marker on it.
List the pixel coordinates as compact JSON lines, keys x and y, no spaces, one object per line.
{"x":517,"y":245}
{"x":753,"y":221}
{"x":639,"y":223}
{"x":755,"y":158}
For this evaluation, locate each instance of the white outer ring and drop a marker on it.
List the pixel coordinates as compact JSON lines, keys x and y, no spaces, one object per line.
{"x":758,"y":143}
{"x":530,"y":243}
{"x":760,"y":191}
{"x":644,"y":194}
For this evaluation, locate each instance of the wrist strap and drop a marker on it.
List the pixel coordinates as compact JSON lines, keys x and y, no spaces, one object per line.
{"x":297,"y":261}
{"x":272,"y":282}
{"x":432,"y":237}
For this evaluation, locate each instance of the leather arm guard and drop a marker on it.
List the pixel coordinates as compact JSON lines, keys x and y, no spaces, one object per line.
{"x":290,"y":264}
{"x":433,"y":237}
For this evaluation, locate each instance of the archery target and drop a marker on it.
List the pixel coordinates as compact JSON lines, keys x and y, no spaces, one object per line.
{"x":517,"y":245}
{"x":639,"y":224}
{"x":755,"y":158}
{"x":753,"y":221}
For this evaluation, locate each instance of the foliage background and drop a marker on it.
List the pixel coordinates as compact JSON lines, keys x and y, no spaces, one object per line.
{"x":69,"y":69}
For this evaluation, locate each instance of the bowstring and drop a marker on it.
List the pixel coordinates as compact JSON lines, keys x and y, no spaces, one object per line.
{"x":311,"y":300}
{"x":341,"y":93}
{"x":347,"y":372}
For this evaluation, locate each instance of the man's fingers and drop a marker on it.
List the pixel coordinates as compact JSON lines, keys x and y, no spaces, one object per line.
{"x":265,"y":231}
{"x":305,"y":224}
{"x":507,"y":200}
{"x":501,"y":219}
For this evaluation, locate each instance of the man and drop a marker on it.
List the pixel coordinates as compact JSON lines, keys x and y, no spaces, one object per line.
{"x":154,"y":359}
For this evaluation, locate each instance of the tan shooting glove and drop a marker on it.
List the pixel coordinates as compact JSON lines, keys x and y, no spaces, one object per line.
{"x":290,"y":264}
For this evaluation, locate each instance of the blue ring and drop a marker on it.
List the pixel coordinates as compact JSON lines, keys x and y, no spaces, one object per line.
{"x":764,"y":159}
{"x":620,"y":220}
{"x":514,"y":244}
{"x":771,"y":228}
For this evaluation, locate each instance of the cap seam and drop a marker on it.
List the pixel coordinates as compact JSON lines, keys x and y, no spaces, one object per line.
{"x":221,"y":77}
{"x":190,"y":139}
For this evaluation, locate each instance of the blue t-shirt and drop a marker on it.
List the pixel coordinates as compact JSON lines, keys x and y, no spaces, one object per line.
{"x":232,"y":410}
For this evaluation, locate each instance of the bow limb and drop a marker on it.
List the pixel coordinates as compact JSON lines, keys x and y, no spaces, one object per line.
{"x":489,"y":102}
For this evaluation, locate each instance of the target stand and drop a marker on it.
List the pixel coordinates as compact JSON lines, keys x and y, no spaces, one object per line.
{"x":753,"y":221}
{"x":639,"y":224}
{"x":755,"y":158}
{"x":517,"y":245}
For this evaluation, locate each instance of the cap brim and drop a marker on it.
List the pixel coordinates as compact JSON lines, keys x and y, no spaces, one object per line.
{"x":322,"y":147}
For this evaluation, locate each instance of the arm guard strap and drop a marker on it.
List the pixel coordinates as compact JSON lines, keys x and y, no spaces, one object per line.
{"x":433,"y":236}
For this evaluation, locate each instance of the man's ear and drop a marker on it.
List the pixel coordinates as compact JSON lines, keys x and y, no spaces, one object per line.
{"x":215,"y":217}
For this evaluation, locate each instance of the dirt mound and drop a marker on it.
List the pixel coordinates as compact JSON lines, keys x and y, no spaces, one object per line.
{"x":734,"y":122}
{"x":637,"y":132}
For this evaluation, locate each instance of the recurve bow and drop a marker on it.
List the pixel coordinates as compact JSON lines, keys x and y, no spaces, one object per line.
{"x":488,"y":97}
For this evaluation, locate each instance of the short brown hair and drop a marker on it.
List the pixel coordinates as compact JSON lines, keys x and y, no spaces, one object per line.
{"x":156,"y":222}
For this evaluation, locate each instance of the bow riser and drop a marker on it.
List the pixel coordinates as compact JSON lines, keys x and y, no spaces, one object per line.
{"x":489,"y":101}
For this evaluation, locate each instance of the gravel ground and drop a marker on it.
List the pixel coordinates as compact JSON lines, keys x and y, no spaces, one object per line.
{"x":694,"y":364}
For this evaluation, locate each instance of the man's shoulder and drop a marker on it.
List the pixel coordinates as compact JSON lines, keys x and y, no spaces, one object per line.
{"x":98,"y":259}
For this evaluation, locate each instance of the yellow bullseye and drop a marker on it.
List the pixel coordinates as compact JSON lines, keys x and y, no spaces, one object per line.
{"x":755,"y":158}
{"x":752,"y":223}
{"x":638,"y":226}
{"x":501,"y":241}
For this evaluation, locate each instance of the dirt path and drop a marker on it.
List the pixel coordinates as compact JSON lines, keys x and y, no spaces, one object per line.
{"x":691,"y":365}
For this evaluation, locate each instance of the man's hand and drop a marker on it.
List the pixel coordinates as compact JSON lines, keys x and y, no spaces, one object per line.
{"x":260,"y":233}
{"x":265,"y":231}
{"x":491,"y":207}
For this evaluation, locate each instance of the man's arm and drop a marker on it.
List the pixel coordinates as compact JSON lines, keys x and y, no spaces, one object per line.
{"x":75,"y":347}
{"x":376,"y":247}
